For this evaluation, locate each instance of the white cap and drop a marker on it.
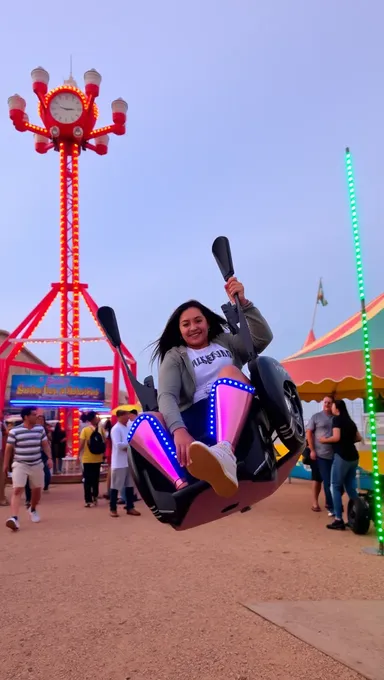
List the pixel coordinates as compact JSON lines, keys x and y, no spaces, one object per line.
{"x":92,"y":77}
{"x":104,"y":140}
{"x":40,"y":75}
{"x":16,"y":102}
{"x":119,"y":106}
{"x":40,"y":139}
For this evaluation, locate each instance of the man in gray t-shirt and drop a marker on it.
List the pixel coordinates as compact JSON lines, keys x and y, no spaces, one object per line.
{"x":320,"y":425}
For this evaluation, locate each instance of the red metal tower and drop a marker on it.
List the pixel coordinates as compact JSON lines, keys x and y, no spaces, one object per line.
{"x":69,"y":117}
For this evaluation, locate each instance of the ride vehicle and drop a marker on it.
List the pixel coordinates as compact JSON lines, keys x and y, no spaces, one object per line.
{"x":276,"y":411}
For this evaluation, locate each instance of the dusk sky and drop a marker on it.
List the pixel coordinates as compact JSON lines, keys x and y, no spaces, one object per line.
{"x":239,"y":114}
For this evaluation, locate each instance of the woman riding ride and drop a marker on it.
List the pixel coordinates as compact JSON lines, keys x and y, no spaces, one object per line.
{"x":204,"y":398}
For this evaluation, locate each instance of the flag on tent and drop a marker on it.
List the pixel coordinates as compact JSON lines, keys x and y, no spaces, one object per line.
{"x":320,"y":295}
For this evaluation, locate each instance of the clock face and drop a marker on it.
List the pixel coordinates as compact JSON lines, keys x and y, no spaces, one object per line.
{"x":66,"y":107}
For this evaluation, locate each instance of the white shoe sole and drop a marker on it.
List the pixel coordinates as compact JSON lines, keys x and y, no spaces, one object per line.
{"x":206,"y":467}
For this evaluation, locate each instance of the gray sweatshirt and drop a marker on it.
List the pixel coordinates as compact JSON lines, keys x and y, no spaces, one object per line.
{"x":177,"y":384}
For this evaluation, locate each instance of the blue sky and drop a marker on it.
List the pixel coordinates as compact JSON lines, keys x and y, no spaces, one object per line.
{"x":239,"y":113}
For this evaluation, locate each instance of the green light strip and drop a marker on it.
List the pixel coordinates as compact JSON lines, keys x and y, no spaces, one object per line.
{"x":367,"y":355}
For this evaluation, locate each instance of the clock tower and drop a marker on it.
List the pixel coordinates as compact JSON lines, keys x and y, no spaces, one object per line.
{"x":68,"y":116}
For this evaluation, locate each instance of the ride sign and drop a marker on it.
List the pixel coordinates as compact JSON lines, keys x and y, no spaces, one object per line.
{"x":57,"y":390}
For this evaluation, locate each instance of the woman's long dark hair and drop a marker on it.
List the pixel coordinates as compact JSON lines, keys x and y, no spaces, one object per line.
{"x":342,"y":409}
{"x":108,"y":428}
{"x":45,"y":426}
{"x":58,"y":432}
{"x":171,"y":336}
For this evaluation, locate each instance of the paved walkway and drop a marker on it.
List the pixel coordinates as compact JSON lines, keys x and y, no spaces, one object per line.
{"x":88,"y":597}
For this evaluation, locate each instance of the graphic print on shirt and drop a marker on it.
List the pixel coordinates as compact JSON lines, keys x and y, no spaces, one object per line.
{"x":27,"y":443}
{"x":207,"y":364}
{"x":210,"y":358}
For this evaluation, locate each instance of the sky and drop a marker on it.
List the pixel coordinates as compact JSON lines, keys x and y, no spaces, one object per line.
{"x":239,"y":114}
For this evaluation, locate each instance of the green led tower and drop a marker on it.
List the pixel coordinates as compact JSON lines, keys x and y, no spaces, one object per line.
{"x":367,"y":356}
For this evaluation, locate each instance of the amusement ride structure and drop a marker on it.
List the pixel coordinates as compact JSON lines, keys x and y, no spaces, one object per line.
{"x":69,"y":116}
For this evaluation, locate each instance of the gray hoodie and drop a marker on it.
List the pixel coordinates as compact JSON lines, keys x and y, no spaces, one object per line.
{"x":177,"y":384}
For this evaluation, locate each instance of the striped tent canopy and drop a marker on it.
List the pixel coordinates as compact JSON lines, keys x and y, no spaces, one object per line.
{"x":334,"y":364}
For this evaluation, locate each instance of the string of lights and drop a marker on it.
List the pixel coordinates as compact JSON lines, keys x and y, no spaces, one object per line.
{"x":42,"y":341}
{"x":366,"y":353}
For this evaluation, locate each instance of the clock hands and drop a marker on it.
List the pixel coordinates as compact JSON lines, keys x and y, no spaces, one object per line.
{"x":66,"y":108}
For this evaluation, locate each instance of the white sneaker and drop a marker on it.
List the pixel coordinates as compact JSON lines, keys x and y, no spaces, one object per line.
{"x":13,"y":524}
{"x":34,"y":515}
{"x":216,"y":465}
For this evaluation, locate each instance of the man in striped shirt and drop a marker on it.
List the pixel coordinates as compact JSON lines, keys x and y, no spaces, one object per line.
{"x":26,"y":442}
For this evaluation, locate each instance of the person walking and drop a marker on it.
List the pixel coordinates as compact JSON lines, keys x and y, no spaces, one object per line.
{"x":318,"y":428}
{"x":91,"y":452}
{"x":3,"y":474}
{"x":122,"y":500}
{"x":41,"y":420}
{"x":108,"y":454}
{"x":59,"y":440}
{"x":120,"y":473}
{"x":343,"y":476}
{"x":47,"y":472}
{"x":25,"y":443}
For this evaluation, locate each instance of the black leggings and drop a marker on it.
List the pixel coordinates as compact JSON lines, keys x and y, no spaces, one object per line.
{"x":129,"y":495}
{"x":91,"y":476}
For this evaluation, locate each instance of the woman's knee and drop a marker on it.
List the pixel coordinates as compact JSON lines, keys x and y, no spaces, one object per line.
{"x":157,"y":415}
{"x":153,"y":414}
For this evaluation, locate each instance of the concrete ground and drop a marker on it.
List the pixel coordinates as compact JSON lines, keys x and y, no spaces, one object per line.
{"x":88,"y":597}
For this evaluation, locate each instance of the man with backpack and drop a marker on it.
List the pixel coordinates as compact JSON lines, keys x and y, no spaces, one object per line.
{"x":91,"y":452}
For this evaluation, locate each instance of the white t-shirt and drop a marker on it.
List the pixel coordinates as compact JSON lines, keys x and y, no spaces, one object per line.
{"x":207,"y":364}
{"x":120,"y":446}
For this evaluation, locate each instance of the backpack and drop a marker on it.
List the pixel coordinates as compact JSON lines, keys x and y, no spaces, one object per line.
{"x":96,"y":443}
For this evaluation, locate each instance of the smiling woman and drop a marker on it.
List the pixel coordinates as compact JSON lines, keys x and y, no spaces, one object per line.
{"x":204,"y":398}
{"x":198,"y":326}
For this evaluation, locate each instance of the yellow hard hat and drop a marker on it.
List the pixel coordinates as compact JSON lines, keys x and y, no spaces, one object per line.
{"x":127,"y":407}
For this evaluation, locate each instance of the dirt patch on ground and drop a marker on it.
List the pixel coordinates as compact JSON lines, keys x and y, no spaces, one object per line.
{"x":88,"y":597}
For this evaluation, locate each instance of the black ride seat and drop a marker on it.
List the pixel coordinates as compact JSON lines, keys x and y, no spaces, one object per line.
{"x":254,"y":452}
{"x":276,"y":408}
{"x":270,"y":411}
{"x":259,"y":471}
